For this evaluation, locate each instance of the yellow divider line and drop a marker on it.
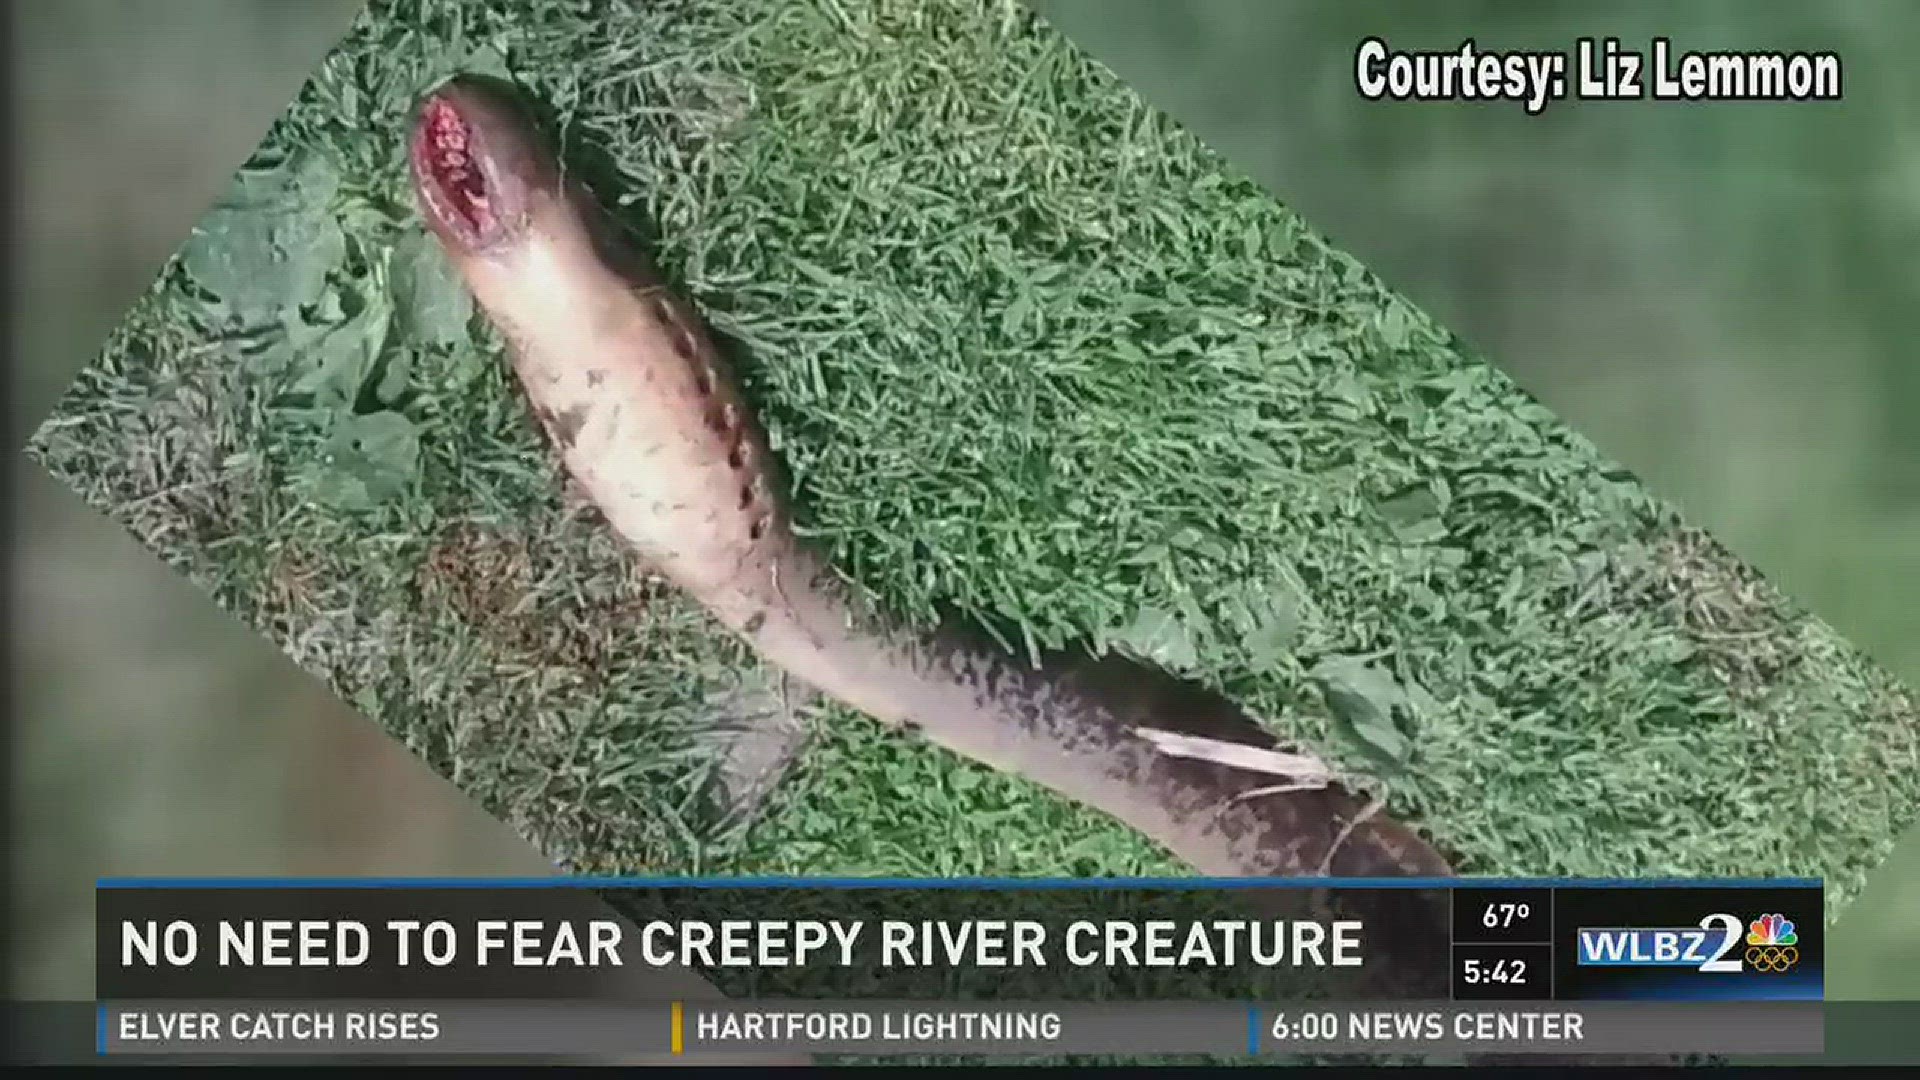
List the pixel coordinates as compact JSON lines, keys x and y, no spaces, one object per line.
{"x":679,"y":1028}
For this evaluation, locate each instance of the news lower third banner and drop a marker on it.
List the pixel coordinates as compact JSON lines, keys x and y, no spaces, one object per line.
{"x":1141,"y":968}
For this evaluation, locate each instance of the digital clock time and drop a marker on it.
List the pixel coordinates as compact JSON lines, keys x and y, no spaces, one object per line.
{"x":1507,"y":971}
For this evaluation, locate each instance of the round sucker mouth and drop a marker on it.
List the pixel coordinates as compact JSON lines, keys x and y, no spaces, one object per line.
{"x":447,"y":159}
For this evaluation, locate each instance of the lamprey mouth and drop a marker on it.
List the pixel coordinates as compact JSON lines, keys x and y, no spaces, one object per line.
{"x":443,"y":154}
{"x":477,"y":163}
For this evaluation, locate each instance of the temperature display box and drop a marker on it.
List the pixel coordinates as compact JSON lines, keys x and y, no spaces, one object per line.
{"x":1502,"y":944}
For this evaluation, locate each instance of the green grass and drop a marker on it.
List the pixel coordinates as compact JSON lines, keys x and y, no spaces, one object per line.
{"x":1028,"y":351}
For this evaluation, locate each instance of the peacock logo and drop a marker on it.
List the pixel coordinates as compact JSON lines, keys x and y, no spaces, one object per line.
{"x":1771,"y":942}
{"x":1772,"y":930}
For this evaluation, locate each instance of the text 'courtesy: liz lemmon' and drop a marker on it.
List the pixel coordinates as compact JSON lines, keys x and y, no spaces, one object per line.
{"x":1593,"y":69}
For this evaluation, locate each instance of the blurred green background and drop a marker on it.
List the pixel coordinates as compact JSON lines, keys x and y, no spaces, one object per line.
{"x":1716,"y":295}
